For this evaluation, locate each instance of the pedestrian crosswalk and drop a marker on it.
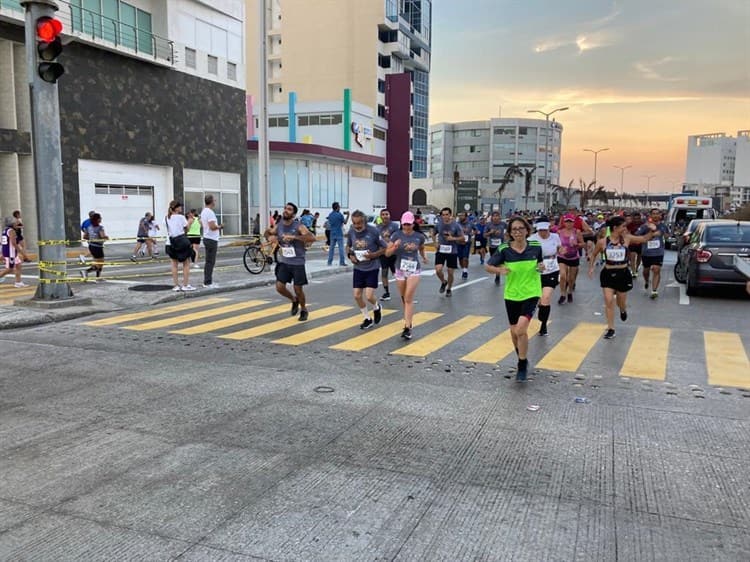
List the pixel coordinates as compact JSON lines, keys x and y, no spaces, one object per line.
{"x":640,"y":352}
{"x":9,"y":294}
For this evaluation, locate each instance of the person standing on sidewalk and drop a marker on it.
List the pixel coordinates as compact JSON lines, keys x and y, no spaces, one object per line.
{"x":178,"y":246}
{"x":292,"y":237}
{"x":387,"y":264}
{"x":11,"y":253}
{"x":336,"y":222}
{"x":521,"y":260}
{"x":364,"y":246}
{"x":211,"y":231}
{"x":194,"y":235}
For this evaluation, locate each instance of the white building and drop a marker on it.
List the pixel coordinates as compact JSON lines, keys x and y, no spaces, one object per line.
{"x":486,"y":150}
{"x":719,"y":165}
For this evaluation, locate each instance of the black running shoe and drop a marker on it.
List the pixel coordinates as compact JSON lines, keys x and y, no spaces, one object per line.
{"x":543,"y":331}
{"x":561,"y":300}
{"x":570,"y":297}
{"x":295,"y":308}
{"x":442,"y":287}
{"x":497,"y":279}
{"x":448,"y":293}
{"x":378,"y":314}
{"x":302,"y":315}
{"x":406,"y":334}
{"x":386,"y":296}
{"x":523,"y":365}
{"x":465,"y":275}
{"x":623,"y":315}
{"x":367,"y":323}
{"x":609,"y":334}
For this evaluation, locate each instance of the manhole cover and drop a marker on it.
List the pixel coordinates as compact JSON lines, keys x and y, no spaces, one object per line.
{"x":147,"y":288}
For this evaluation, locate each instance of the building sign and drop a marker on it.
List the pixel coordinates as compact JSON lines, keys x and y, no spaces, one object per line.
{"x":467,"y":193}
{"x":361,"y":133}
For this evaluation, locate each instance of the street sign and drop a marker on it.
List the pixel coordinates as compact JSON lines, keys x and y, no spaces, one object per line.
{"x":467,"y":195}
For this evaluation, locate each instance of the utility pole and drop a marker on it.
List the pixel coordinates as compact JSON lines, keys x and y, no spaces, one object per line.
{"x":622,"y":181}
{"x":596,"y":154}
{"x":546,"y":148}
{"x":43,"y":45}
{"x":263,"y":144}
{"x":648,"y":186}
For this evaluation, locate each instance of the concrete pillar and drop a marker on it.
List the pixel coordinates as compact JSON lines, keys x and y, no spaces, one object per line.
{"x":9,"y":196}
{"x":28,"y":200}
{"x":7,"y":86}
{"x":23,"y":103}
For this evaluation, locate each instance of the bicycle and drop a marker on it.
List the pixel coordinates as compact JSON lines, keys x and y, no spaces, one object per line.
{"x":258,"y":255}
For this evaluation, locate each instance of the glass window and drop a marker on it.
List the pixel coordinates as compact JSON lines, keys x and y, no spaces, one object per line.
{"x":109,"y":20}
{"x":276,"y":183}
{"x":231,"y":71}
{"x":128,"y":25}
{"x":315,"y":184}
{"x":292,"y":181}
{"x":190,"y":57}
{"x":304,"y":184}
{"x":143,"y":20}
{"x":331,"y":183}
{"x":303,"y":120}
{"x":213,"y":65}
{"x":337,"y":119}
{"x":314,"y":120}
{"x":378,"y":134}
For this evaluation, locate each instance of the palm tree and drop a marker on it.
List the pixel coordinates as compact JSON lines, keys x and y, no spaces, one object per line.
{"x":510,"y":175}
{"x":528,"y":175}
{"x":600,"y":194}
{"x":587,"y":192}
{"x":566,"y":192}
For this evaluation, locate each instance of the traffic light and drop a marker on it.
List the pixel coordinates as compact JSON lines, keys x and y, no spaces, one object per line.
{"x":49,"y":47}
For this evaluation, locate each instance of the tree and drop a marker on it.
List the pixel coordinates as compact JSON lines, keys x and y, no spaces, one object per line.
{"x":510,"y":175}
{"x":587,"y":192}
{"x":528,"y":176}
{"x":566,"y":192}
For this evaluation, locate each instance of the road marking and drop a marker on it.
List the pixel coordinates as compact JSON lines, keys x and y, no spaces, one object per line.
{"x":271,"y":327}
{"x":462,"y":285}
{"x":121,"y":319}
{"x":383,"y":333}
{"x":323,"y":331}
{"x":726,"y":360}
{"x":570,"y":352}
{"x":647,"y":356}
{"x":232,"y":321}
{"x":435,"y":340}
{"x":200,"y":315}
{"x":499,"y":347}
{"x":684,"y":298}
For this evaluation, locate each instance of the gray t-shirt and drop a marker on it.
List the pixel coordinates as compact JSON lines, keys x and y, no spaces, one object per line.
{"x":387,"y":230}
{"x":655,"y":246}
{"x":291,"y":253}
{"x":408,"y":249}
{"x":443,"y":230}
{"x":495,"y":233}
{"x":369,"y":240}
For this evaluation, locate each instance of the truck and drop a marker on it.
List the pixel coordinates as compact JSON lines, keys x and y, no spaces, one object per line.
{"x":681,"y":210}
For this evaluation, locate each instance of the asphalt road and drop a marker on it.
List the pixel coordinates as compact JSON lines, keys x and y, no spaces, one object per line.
{"x":220,"y":428}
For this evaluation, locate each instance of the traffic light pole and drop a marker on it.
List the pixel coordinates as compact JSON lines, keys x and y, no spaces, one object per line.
{"x":45,"y":132}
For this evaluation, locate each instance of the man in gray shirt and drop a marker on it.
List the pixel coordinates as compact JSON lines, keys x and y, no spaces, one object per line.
{"x":364,"y":246}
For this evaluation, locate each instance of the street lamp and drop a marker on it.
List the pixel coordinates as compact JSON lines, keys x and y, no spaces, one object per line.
{"x":546,"y":148}
{"x":596,"y":154}
{"x":648,"y":186}
{"x":622,"y":180}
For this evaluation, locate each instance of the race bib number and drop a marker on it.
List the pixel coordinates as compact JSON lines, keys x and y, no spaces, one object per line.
{"x":360,"y":255}
{"x":653,"y":244}
{"x":478,"y":244}
{"x":615,"y":254}
{"x":495,"y":242}
{"x":288,"y":252}
{"x":409,"y":266}
{"x":466,"y":237}
{"x":445,"y":249}
{"x":550,"y":265}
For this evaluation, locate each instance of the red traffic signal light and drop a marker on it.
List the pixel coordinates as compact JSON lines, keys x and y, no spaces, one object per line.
{"x":49,"y":47}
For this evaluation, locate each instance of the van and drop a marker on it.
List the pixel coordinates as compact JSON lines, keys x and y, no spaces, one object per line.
{"x":681,"y":211}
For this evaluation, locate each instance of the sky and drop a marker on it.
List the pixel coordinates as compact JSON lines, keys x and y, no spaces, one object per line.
{"x":638,"y":76}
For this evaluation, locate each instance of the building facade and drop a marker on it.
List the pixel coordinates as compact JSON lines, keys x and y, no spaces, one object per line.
{"x":317,"y":50}
{"x":718,"y":165}
{"x":485,"y":150}
{"x":152,"y":107}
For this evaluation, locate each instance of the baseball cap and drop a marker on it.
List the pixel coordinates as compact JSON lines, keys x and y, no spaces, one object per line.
{"x":569,"y":217}
{"x":542,"y":225}
{"x":407,"y":218}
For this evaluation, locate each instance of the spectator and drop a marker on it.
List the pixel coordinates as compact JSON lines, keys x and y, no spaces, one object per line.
{"x":211,"y":232}
{"x":336,"y":222}
{"x":194,"y":235}
{"x":178,"y":248}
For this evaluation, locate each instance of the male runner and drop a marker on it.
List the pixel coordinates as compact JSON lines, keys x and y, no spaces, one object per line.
{"x":364,"y":246}
{"x":387,"y":264}
{"x":495,"y":233}
{"x":652,"y":251}
{"x":449,"y":235}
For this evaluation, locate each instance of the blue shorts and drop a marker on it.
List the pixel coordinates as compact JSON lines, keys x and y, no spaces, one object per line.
{"x":365,"y":279}
{"x":463,"y":251}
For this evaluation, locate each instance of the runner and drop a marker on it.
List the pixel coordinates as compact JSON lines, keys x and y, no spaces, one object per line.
{"x":615,"y":278}
{"x":480,"y":242}
{"x":11,"y":253}
{"x":449,"y":235}
{"x":387,"y":264}
{"x":467,"y":227}
{"x":96,"y":236}
{"x":495,"y":234}
{"x":634,"y":250}
{"x":408,"y":246}
{"x":522,"y":261}
{"x":364,"y":246}
{"x":551,"y":275}
{"x":652,"y":251}
{"x":571,"y":241}
{"x":292,"y":237}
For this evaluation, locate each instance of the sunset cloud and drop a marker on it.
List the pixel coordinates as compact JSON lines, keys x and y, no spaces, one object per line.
{"x":653,"y":70}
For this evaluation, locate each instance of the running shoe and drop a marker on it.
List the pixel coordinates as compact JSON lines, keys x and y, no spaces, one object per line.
{"x":561,"y":300}
{"x":442,"y":287}
{"x":303,"y":315}
{"x":2,"y":279}
{"x":406,"y":333}
{"x":609,"y":334}
{"x":133,"y":258}
{"x":82,"y":258}
{"x":295,"y":308}
{"x":523,"y":365}
{"x":377,"y":314}
{"x":654,"y":294}
{"x":386,"y":296}
{"x":211,"y":286}
{"x":367,"y":323}
{"x":176,"y":288}
{"x":543,"y":331}
{"x":570,"y":297}
{"x":623,"y":315}
{"x":497,"y":279}
{"x":20,"y":285}
{"x":465,"y":275}
{"x":646,"y":284}
{"x":448,"y":293}
{"x":635,"y":275}
{"x":188,"y":288}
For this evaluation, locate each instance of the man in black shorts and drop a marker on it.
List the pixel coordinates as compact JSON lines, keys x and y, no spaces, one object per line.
{"x":364,"y":246}
{"x":387,"y":264}
{"x":495,"y":232}
{"x":292,"y":237}
{"x":449,"y":235}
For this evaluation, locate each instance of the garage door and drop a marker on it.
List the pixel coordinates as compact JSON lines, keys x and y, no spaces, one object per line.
{"x":122,"y":207}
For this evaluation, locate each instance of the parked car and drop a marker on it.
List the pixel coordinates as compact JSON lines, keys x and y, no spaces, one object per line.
{"x":707,"y":260}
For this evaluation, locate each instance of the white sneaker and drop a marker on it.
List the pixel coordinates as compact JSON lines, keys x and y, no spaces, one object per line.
{"x":177,"y":288}
{"x":82,"y":258}
{"x":211,"y":286}
{"x":188,"y":288}
{"x":2,"y":279}
{"x":195,"y":266}
{"x":20,"y":285}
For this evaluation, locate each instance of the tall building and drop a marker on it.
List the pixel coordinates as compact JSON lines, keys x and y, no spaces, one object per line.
{"x":485,"y":150}
{"x":317,"y":50}
{"x":719,"y":165}
{"x":152,"y":108}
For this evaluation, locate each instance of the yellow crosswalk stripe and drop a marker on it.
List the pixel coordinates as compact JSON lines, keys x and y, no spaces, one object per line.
{"x":647,"y":356}
{"x":383,"y":333}
{"x":193,"y":316}
{"x":232,"y":321}
{"x":496,"y":349}
{"x":123,"y":318}
{"x":9,"y":293}
{"x":271,"y":327}
{"x":726,"y":360}
{"x":323,"y":331}
{"x":433,"y":341}
{"x":570,"y":352}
